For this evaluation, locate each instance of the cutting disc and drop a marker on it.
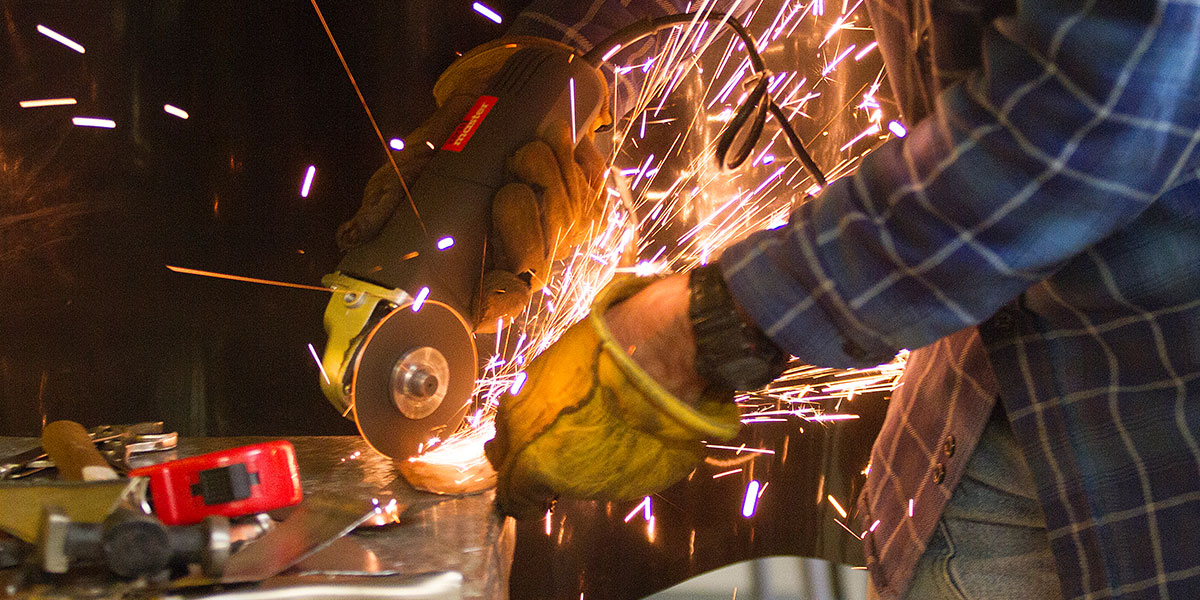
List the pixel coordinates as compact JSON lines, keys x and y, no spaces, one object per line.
{"x":413,"y":378}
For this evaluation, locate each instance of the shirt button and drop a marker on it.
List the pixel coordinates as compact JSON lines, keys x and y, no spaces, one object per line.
{"x":939,"y":473}
{"x":1004,"y":322}
{"x":948,"y":446}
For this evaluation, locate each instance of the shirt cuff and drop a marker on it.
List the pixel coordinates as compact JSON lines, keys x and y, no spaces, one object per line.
{"x":765,"y":284}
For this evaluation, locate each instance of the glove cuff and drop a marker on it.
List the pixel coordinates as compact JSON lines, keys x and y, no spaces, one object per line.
{"x":470,"y":74}
{"x":706,"y":423}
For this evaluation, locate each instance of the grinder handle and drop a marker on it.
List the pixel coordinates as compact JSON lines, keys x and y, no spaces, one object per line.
{"x":74,"y":453}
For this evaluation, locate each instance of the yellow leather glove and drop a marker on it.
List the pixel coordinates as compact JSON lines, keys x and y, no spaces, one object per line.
{"x":550,"y":207}
{"x":589,"y":423}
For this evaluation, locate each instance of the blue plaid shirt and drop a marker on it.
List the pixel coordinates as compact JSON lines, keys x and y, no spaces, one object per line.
{"x":1036,"y":236}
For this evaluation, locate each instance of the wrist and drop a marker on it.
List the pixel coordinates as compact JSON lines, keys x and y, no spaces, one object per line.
{"x":731,"y":352}
{"x":653,"y":328}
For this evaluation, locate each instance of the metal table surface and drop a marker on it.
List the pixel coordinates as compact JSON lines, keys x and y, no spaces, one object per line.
{"x":607,"y":550}
{"x":440,"y":533}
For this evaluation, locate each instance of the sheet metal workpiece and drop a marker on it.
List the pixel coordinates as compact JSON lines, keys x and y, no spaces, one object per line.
{"x":592,"y":549}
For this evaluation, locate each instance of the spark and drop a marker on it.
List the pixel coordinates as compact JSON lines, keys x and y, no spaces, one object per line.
{"x":94,"y":122}
{"x":548,"y":523}
{"x":872,"y":130}
{"x":396,"y":144}
{"x":518,"y":383}
{"x":464,"y":450}
{"x":645,"y":268}
{"x":833,"y":65}
{"x":836,"y":506}
{"x":723,"y":474}
{"x":751,"y":501}
{"x":320,"y":366}
{"x":187,"y":271}
{"x":866,"y":50}
{"x":175,"y":110}
{"x":445,"y":243}
{"x":612,"y":52}
{"x":873,"y":526}
{"x":641,"y":171}
{"x":60,"y":38}
{"x":46,"y":102}
{"x":910,"y":507}
{"x":741,"y":449}
{"x":896,"y":128}
{"x":487,"y":12}
{"x":419,"y":301}
{"x":308,"y":179}
{"x":642,"y":507}
{"x":848,"y":530}
{"x":835,"y":417}
{"x":571,"y":88}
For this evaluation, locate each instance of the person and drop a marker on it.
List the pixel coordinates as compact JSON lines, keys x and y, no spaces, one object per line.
{"x":1034,"y":239}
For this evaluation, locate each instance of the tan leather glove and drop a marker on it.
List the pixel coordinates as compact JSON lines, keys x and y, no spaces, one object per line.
{"x":589,"y":423}
{"x":551,"y":206}
{"x":554,"y":205}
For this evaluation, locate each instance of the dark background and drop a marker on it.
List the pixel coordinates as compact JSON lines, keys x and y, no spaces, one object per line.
{"x":93,"y":327}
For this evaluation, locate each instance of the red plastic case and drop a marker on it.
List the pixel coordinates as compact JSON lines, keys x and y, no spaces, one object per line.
{"x":235,"y":482}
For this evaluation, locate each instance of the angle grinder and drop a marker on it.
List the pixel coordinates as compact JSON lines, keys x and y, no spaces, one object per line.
{"x":401,"y":358}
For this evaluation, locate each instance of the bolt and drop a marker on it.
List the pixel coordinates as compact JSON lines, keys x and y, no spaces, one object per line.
{"x":421,"y":384}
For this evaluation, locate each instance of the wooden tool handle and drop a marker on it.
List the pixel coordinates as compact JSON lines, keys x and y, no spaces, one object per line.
{"x":73,"y":452}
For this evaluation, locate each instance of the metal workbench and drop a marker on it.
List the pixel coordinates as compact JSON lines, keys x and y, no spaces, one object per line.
{"x":438,"y":534}
{"x":606,"y":550}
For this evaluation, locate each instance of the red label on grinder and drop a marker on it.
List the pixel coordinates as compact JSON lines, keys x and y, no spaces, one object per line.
{"x":470,"y":124}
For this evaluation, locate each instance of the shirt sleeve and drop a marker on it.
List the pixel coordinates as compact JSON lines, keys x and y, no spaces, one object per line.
{"x":1082,"y":115}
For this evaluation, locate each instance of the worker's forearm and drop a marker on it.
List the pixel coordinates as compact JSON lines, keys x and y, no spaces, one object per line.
{"x":1014,"y":174}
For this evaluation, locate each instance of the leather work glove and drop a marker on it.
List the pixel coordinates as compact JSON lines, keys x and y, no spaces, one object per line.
{"x":549,"y":208}
{"x":589,"y":423}
{"x":539,"y":219}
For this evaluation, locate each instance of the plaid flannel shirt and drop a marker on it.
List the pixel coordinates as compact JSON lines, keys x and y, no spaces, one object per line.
{"x":1047,"y":209}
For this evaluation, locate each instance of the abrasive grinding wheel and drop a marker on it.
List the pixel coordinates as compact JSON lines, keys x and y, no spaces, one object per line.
{"x":413,"y":377}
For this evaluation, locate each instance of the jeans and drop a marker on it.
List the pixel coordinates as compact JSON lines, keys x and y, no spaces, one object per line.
{"x":991,"y":541}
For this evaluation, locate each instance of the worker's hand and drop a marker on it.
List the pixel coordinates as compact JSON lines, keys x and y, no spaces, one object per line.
{"x":590,"y":423}
{"x":551,"y":205}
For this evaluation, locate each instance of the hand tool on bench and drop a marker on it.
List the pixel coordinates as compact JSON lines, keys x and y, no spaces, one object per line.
{"x":131,"y":544}
{"x":119,"y":444}
{"x":239,"y":481}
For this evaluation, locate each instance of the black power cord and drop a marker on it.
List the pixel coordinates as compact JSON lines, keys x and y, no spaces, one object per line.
{"x":745,"y":127}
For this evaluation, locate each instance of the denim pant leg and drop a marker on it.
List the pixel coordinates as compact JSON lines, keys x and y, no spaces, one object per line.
{"x":991,"y":541}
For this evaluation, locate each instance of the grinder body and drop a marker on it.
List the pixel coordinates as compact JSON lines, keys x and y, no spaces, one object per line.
{"x":453,"y":195}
